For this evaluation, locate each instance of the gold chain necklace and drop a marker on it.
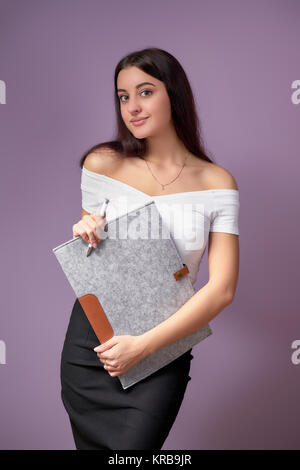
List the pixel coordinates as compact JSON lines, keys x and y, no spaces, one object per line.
{"x":163,"y":185}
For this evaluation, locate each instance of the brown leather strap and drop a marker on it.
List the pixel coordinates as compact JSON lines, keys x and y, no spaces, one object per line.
{"x":96,"y":316}
{"x":181,"y":272}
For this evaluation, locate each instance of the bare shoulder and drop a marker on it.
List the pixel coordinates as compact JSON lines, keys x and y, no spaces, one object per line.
{"x":218,"y":177}
{"x":103,"y":161}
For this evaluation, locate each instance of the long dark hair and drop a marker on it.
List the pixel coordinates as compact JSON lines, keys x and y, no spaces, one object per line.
{"x":163,"y":66}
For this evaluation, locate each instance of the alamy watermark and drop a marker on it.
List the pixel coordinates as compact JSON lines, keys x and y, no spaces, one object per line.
{"x":295,"y":97}
{"x":2,"y":92}
{"x":2,"y":352}
{"x":295,"y":358}
{"x":183,"y":222}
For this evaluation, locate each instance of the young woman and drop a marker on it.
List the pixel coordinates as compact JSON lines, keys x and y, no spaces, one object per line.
{"x":158,"y":155}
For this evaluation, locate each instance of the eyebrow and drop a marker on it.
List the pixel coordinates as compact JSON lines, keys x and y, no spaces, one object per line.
{"x":138,"y":86}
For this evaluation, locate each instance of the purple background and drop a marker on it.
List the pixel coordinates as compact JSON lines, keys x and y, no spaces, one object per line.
{"x":57,"y":59}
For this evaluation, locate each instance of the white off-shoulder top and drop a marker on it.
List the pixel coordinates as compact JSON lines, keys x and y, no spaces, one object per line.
{"x":189,"y":216}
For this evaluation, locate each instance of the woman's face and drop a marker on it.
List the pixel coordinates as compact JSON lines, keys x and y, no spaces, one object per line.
{"x":143,"y":100}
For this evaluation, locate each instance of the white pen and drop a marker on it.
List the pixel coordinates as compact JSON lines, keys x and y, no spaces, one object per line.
{"x":102,"y":212}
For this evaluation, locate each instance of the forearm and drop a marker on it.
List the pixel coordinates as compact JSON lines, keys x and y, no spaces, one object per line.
{"x":199,"y":310}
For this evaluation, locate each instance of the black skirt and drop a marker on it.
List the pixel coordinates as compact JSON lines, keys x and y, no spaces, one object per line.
{"x":103,"y":415}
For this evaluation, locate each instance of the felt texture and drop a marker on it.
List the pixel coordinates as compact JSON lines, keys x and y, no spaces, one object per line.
{"x":131,"y":273}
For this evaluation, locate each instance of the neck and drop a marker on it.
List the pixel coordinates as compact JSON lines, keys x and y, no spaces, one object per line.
{"x":166,"y":150}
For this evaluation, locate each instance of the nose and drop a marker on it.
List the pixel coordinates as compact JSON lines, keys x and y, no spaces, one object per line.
{"x":133,"y":107}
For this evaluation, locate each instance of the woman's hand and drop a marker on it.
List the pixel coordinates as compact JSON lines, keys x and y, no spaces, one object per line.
{"x":89,"y":228}
{"x":120,"y":353}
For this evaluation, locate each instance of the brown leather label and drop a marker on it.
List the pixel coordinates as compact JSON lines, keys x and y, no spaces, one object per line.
{"x":181,"y":272}
{"x":97,"y":317}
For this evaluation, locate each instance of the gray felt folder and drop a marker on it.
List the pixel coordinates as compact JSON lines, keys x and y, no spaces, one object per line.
{"x":130,"y":284}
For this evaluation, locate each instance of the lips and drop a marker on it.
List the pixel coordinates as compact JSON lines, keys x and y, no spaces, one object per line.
{"x":140,"y":119}
{"x":137,"y":122}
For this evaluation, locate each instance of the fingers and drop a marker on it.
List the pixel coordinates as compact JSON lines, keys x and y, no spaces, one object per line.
{"x":108,"y":366}
{"x":112,"y":369}
{"x":85,"y":231}
{"x":89,"y":228}
{"x":107,"y":363}
{"x":100,"y":223}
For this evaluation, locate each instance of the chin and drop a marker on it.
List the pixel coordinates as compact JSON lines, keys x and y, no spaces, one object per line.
{"x":141,"y":135}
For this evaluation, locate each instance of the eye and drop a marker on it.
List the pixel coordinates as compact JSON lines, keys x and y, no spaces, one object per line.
{"x":143,"y":91}
{"x":121,"y":96}
{"x":148,"y":91}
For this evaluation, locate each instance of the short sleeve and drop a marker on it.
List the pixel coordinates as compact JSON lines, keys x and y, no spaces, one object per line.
{"x":224,"y":217}
{"x":91,"y":194}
